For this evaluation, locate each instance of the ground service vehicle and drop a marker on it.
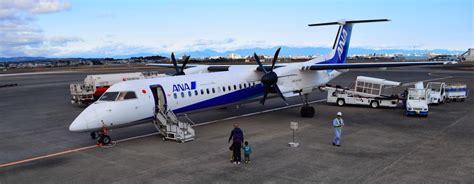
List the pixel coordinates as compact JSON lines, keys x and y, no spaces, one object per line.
{"x":456,"y":92}
{"x":367,"y":91}
{"x":416,"y":103}
{"x":436,"y":92}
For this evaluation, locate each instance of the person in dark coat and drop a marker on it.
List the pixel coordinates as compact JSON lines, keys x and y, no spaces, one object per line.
{"x":237,"y":137}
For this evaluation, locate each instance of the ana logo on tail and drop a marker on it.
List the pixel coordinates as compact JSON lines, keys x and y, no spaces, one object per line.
{"x":342,"y":43}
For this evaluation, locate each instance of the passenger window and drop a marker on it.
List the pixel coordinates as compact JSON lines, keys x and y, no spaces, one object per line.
{"x":213,"y":90}
{"x":175,"y":95}
{"x":182,"y":94}
{"x":189,"y":93}
{"x":240,"y":86}
{"x":196,"y":93}
{"x":202,"y":91}
{"x":245,"y":85}
{"x":229,"y":88}
{"x":207,"y":90}
{"x":235,"y":87}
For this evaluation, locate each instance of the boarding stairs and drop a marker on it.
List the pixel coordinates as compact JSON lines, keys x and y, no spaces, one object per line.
{"x":171,"y":128}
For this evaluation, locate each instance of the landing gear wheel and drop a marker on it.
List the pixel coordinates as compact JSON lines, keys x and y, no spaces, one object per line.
{"x":307,"y":111}
{"x":374,"y":104}
{"x":340,"y":102}
{"x":94,"y":135}
{"x":105,"y":139}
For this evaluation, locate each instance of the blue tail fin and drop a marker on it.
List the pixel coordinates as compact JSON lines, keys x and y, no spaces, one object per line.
{"x":341,"y":44}
{"x":343,"y":38}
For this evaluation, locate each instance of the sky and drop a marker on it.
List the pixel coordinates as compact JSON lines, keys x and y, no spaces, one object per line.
{"x":71,"y":28}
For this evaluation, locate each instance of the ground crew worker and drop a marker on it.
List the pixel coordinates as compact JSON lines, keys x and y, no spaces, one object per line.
{"x":337,"y":123}
{"x":237,"y":137}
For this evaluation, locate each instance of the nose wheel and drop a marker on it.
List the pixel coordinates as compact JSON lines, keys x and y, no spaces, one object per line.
{"x":102,"y":137}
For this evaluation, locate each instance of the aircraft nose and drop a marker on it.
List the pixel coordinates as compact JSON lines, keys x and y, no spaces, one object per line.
{"x":79,"y":124}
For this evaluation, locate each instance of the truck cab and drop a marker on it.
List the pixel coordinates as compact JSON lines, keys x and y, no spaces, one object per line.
{"x":416,"y":102}
{"x":436,"y":92}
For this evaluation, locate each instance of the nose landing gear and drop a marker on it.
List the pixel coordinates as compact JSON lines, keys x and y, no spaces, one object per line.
{"x":307,"y":111}
{"x":101,"y":137}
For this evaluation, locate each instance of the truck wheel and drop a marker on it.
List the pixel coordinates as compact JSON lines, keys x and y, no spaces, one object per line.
{"x":374,"y":104}
{"x":340,"y":102}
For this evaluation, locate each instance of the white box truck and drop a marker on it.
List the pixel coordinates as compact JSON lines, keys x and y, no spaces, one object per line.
{"x":367,"y":91}
{"x":456,"y":92}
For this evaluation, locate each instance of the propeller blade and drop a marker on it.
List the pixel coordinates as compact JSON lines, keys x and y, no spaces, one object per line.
{"x":277,"y":89}
{"x":175,"y":64}
{"x":258,"y":62}
{"x":265,"y":93}
{"x":184,"y":64}
{"x":275,"y":58}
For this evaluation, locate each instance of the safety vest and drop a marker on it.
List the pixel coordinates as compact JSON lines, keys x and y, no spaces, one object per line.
{"x":339,"y":123}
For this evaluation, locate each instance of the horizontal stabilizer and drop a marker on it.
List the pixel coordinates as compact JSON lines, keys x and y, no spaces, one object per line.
{"x":343,"y":22}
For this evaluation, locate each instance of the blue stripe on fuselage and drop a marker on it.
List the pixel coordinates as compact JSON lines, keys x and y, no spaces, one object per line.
{"x":229,"y":98}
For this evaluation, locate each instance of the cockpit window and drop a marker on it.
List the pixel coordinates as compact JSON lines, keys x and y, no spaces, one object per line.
{"x":109,"y":96}
{"x":126,"y":95}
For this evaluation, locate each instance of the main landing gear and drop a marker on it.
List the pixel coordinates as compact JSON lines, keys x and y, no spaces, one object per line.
{"x":101,"y":137}
{"x":307,"y":111}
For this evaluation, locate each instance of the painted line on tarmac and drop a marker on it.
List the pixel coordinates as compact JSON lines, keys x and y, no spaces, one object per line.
{"x":151,"y":134}
{"x":34,"y":73}
{"x":46,"y":156}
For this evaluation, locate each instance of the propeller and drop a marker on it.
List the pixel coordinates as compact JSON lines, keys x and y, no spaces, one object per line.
{"x":175,"y":64}
{"x":269,"y":78}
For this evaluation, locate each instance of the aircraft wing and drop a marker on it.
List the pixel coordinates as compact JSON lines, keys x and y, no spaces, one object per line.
{"x":168,"y":65}
{"x":212,"y":68}
{"x":372,"y":65}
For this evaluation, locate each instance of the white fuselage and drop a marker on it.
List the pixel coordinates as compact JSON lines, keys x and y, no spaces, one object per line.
{"x":192,"y":92}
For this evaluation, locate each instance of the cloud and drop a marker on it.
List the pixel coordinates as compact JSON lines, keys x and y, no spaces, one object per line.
{"x":107,"y":50}
{"x":62,"y":41}
{"x":11,"y":8}
{"x":19,"y":36}
{"x":223,"y":45}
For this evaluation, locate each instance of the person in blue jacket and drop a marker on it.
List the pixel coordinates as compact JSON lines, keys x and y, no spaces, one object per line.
{"x":337,"y":123}
{"x":237,"y":137}
{"x":247,"y":152}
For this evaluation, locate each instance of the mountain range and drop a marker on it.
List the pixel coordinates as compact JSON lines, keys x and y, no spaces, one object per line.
{"x":285,"y":51}
{"x":292,"y":51}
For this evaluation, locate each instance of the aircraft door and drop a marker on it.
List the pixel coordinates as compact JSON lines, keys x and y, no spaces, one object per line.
{"x":159,"y":98}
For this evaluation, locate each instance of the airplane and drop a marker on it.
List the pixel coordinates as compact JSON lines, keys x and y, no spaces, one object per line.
{"x":197,"y":87}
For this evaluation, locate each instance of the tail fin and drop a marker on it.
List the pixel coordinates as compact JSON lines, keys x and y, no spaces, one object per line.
{"x":340,"y":47}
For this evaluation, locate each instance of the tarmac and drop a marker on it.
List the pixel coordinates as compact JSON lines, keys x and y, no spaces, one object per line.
{"x":378,"y":145}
